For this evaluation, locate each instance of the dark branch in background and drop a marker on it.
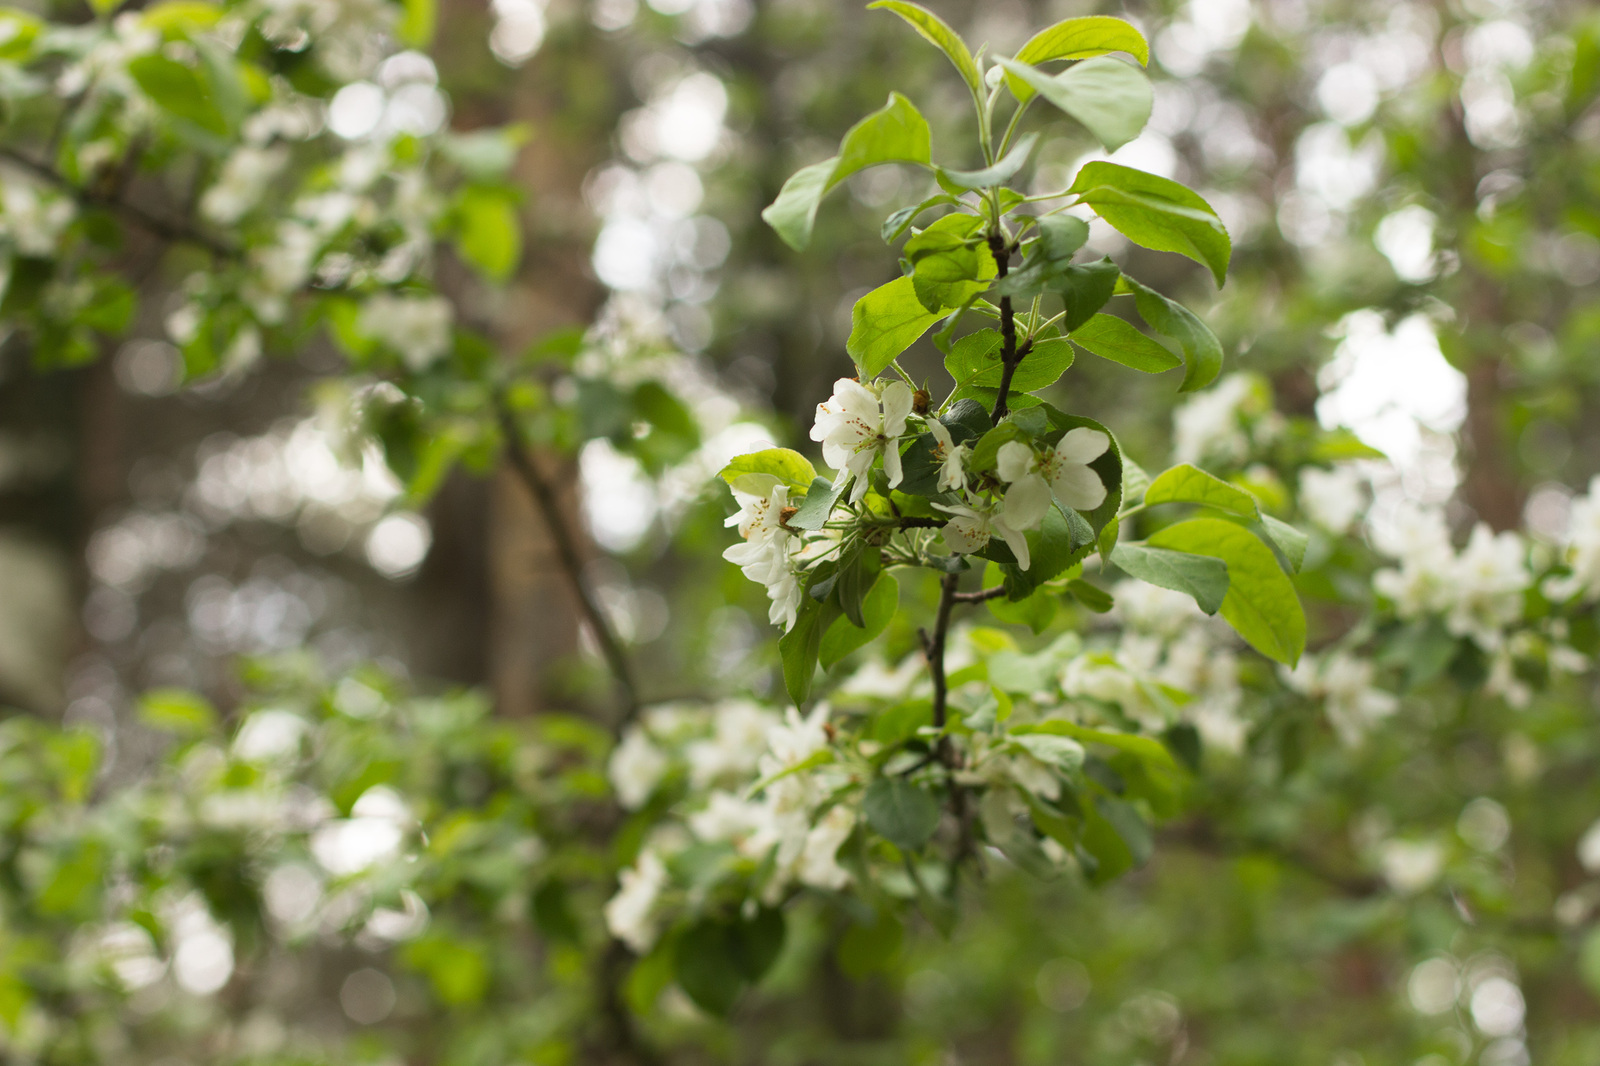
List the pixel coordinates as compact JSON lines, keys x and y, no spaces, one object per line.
{"x":544,"y":497}
{"x":933,"y":649}
{"x":1009,"y":356}
{"x":166,"y":229}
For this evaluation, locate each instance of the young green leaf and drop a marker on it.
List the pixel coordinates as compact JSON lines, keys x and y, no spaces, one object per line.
{"x":818,"y":504}
{"x":1200,"y":576}
{"x":1091,"y":596}
{"x":1201,"y":349}
{"x":901,"y":220}
{"x":1261,"y":604}
{"x":1185,"y":483}
{"x":1120,"y":341}
{"x":1156,"y":213}
{"x":784,"y":465}
{"x":180,"y":90}
{"x":900,"y":812}
{"x":1001,"y":172}
{"x":1084,"y":38}
{"x":884,"y":323}
{"x":1290,"y":542}
{"x":938,"y":33}
{"x":490,"y":234}
{"x":895,"y":133}
{"x":417,"y":25}
{"x":950,"y":264}
{"x":1112,"y":99}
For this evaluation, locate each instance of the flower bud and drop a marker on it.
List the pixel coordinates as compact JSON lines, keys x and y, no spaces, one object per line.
{"x":920,"y":401}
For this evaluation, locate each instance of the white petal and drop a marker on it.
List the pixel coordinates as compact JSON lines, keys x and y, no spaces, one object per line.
{"x":1026,"y":502}
{"x":891,"y":462}
{"x":1078,"y":487}
{"x":1016,"y":542}
{"x":1014,"y":460}
{"x":966,"y":535}
{"x":1082,"y":445}
{"x":941,"y":433}
{"x":897,"y":398}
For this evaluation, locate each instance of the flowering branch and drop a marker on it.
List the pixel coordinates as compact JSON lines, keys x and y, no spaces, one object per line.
{"x":166,"y":229}
{"x":571,"y":561}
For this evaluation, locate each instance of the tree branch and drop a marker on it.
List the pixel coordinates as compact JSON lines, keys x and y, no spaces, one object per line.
{"x":544,"y":497}
{"x":979,"y":597}
{"x":1009,"y":356}
{"x":166,"y":229}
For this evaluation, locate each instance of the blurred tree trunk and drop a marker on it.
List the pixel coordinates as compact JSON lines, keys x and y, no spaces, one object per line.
{"x":534,"y":615}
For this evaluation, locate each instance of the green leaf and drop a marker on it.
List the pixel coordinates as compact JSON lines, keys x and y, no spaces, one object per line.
{"x":998,"y":174}
{"x":780,"y":465}
{"x":895,"y":133}
{"x":1261,"y":603}
{"x":1084,"y":38}
{"x":1201,"y":349}
{"x":901,"y":220}
{"x":180,"y":90}
{"x":707,"y":967}
{"x":951,"y":265}
{"x":1093,"y":597}
{"x":1062,"y":539}
{"x":181,"y":19}
{"x":858,"y":569}
{"x":1336,"y":444}
{"x":877,"y":609}
{"x":490,"y":233}
{"x":1189,"y":484}
{"x":1156,"y":213}
{"x":818,"y":504}
{"x":176,"y":710}
{"x":1288,"y":540}
{"x":935,"y":30}
{"x":417,"y":24}
{"x":1120,"y":341}
{"x":1200,"y":576}
{"x":865,"y":948}
{"x":900,"y":812}
{"x":974,"y":361}
{"x":884,"y":323}
{"x":798,"y":648}
{"x":1112,"y":99}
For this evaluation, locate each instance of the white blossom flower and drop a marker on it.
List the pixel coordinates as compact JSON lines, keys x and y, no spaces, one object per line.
{"x":1333,"y":499}
{"x":950,"y":456}
{"x":970,"y":528}
{"x":636,"y":768}
{"x":767,"y":554}
{"x":31,"y":219}
{"x":630,"y":914}
{"x":1062,"y":472}
{"x":857,"y":423}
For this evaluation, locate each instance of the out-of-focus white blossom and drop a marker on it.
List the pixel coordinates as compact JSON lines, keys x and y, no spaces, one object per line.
{"x":1209,"y":426}
{"x":416,"y":327}
{"x":856,"y":424}
{"x":1581,"y":549}
{"x":1345,"y":686}
{"x":636,"y":768}
{"x":738,"y":740}
{"x":246,"y":176}
{"x":31,"y":220}
{"x":1333,"y":499}
{"x":631,"y":913}
{"x":1410,"y":866}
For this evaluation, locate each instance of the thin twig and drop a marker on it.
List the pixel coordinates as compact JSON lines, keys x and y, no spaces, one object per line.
{"x":571,"y":560}
{"x":979,"y":597}
{"x":160,"y":227}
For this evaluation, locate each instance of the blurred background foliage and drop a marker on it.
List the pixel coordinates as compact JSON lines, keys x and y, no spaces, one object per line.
{"x":1413,"y":190}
